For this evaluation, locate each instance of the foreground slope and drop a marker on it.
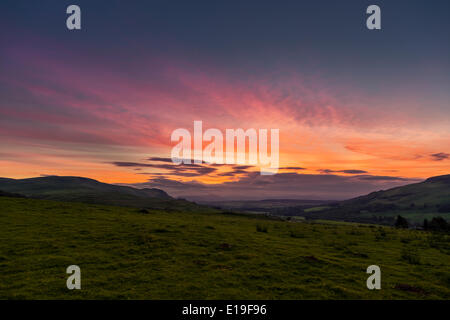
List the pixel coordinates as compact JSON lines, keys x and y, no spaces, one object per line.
{"x":125,"y":254}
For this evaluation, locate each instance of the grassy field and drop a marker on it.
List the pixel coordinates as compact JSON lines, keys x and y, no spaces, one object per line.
{"x":127,"y":254}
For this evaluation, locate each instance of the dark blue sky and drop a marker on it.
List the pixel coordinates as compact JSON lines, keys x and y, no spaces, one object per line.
{"x":251,"y":39}
{"x":257,"y":33}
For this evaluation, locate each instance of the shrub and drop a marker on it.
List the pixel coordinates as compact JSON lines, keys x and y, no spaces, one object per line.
{"x":411,"y":256}
{"x":401,"y":222}
{"x":438,"y":224}
{"x":380,"y":234}
{"x":261,"y":228}
{"x":295,"y":234}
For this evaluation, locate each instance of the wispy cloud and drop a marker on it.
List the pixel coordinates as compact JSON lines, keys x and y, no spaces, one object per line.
{"x":182,"y":170}
{"x":347,"y":171}
{"x":440,"y":156}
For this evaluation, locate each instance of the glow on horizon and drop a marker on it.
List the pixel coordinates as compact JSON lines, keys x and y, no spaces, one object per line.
{"x":78,"y":119}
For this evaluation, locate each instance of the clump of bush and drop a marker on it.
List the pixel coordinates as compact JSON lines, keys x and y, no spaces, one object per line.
{"x":296,"y":234}
{"x":411,"y":256}
{"x":401,"y":223}
{"x":438,"y":224}
{"x":261,"y":228}
{"x":380,"y":234}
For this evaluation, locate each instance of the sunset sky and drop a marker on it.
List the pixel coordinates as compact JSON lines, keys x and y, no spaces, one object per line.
{"x":358,"y":110}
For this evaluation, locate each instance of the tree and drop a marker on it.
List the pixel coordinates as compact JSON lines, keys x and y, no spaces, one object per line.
{"x":401,"y":222}
{"x":438,"y":224}
{"x":425,"y":224}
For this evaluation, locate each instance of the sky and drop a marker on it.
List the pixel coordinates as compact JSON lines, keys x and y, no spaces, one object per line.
{"x":358,"y":110}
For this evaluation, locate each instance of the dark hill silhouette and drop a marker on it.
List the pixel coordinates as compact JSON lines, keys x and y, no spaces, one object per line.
{"x":87,"y":190}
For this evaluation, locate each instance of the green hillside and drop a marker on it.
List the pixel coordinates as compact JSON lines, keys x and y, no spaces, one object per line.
{"x":91,"y":191}
{"x":415,"y":202}
{"x":433,"y":192}
{"x":124,"y":253}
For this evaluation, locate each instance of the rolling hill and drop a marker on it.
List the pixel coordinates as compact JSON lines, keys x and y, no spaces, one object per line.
{"x":78,"y":189}
{"x":432,"y":192}
{"x":415,"y":202}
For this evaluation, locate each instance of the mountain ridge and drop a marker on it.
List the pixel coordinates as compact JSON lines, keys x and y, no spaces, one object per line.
{"x":86,"y":190}
{"x":416,"y":201}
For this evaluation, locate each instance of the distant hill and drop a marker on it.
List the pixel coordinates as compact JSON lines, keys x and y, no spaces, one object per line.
{"x":429,"y":193}
{"x":267,"y":203}
{"x":414,"y":201}
{"x":91,"y":191}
